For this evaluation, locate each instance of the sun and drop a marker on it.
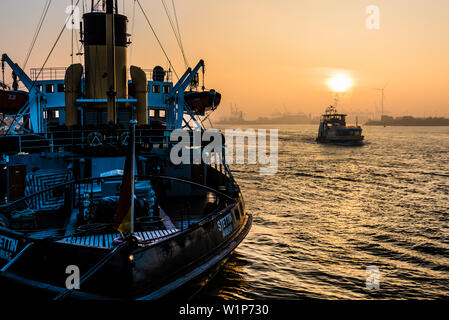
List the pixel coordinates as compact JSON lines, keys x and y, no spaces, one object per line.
{"x":340,"y":83}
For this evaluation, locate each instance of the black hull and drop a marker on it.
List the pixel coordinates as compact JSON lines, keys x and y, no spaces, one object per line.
{"x":342,"y":142}
{"x":178,"y":265}
{"x":196,"y":279}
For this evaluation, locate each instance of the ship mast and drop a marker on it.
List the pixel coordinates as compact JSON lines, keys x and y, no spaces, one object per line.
{"x":110,"y":53}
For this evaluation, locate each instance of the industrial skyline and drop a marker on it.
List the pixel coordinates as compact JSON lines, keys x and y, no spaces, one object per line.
{"x":264,"y":54}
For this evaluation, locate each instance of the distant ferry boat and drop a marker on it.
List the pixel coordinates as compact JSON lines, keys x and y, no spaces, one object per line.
{"x":333,"y":129}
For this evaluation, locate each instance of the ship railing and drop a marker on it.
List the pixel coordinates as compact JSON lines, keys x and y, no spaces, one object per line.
{"x":68,"y":140}
{"x":56,"y":141}
{"x":149,"y":73}
{"x":51,"y":73}
{"x":84,"y":197}
{"x":58,"y":73}
{"x":218,"y":161}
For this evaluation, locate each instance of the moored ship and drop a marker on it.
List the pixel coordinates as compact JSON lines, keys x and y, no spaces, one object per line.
{"x":83,"y":144}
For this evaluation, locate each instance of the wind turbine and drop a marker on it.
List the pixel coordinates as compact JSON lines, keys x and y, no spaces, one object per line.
{"x":382,"y":103}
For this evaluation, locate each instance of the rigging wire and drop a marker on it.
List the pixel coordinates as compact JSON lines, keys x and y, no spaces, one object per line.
{"x":78,"y":47}
{"x":132,"y":32}
{"x":157,"y":38}
{"x":54,"y":45}
{"x":72,"y":22}
{"x":36,"y":33}
{"x":96,"y":5}
{"x":170,"y":20}
{"x":175,"y":32}
{"x":179,"y":32}
{"x":176,"y":19}
{"x":48,"y":57}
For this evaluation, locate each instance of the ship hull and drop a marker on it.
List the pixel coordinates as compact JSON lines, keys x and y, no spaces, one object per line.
{"x":342,"y":140}
{"x":186,"y":259}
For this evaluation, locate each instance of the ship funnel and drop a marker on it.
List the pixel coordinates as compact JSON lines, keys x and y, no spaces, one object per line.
{"x":105,"y":42}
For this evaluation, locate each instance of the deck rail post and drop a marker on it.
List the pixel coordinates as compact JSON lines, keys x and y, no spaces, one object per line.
{"x":182,"y":220}
{"x":188,"y":214}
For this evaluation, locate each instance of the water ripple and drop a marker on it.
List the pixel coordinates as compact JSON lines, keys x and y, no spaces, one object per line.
{"x":331,"y":211}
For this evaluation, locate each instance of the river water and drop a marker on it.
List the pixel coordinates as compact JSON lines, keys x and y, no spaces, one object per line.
{"x":332,"y":211}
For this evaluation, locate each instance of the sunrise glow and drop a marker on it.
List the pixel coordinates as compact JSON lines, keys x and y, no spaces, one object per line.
{"x":340,"y":83}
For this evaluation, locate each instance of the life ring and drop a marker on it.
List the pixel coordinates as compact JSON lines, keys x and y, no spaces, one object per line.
{"x":95,"y":139}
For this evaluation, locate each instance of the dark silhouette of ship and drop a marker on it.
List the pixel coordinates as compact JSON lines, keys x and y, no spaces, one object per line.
{"x":64,"y":196}
{"x":333,"y":129}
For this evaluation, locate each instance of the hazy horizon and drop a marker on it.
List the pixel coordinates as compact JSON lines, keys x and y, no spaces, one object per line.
{"x":264,"y":55}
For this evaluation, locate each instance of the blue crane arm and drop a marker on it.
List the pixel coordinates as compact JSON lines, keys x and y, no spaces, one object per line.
{"x":27,"y":82}
{"x":175,"y":117}
{"x":181,"y":80}
{"x":184,"y":82}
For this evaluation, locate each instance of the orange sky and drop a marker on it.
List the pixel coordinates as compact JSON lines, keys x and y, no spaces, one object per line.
{"x":262,"y":54}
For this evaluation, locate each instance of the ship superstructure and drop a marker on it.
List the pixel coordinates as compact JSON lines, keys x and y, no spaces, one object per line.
{"x":63,"y":157}
{"x":333,"y":129}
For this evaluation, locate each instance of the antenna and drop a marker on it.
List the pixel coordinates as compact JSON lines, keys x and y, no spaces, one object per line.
{"x":336,"y":100}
